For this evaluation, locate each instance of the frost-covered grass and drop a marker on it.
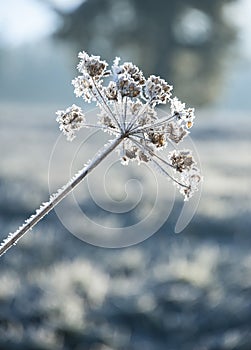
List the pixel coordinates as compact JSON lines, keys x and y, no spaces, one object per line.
{"x":188,"y":291}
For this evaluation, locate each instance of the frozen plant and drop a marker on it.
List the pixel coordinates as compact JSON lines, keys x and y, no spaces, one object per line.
{"x":127,"y":106}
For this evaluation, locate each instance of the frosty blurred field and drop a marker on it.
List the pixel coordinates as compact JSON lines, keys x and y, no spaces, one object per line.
{"x":190,"y":290}
{"x":186,"y":291}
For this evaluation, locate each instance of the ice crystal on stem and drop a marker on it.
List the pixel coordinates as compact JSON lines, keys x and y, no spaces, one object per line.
{"x":127,"y":106}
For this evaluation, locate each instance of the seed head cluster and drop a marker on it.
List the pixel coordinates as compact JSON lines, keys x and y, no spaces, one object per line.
{"x":70,"y":121}
{"x":127,"y":104}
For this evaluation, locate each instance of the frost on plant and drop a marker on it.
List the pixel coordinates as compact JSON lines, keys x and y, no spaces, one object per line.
{"x":127,"y":104}
{"x":70,"y":121}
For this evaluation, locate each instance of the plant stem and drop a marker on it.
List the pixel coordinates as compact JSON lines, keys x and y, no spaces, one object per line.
{"x":55,"y":198}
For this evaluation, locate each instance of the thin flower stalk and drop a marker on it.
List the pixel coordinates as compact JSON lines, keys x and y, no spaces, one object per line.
{"x":57,"y":197}
{"x":127,"y":111}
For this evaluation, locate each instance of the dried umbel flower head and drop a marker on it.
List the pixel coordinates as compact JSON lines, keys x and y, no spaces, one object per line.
{"x":70,"y":121}
{"x":91,"y":65}
{"x":128,"y":111}
{"x":127,"y":106}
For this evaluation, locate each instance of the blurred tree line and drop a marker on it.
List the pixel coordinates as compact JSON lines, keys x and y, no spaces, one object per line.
{"x":184,"y":41}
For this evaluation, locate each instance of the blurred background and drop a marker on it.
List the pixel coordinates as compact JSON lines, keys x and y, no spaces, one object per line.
{"x":189,"y":291}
